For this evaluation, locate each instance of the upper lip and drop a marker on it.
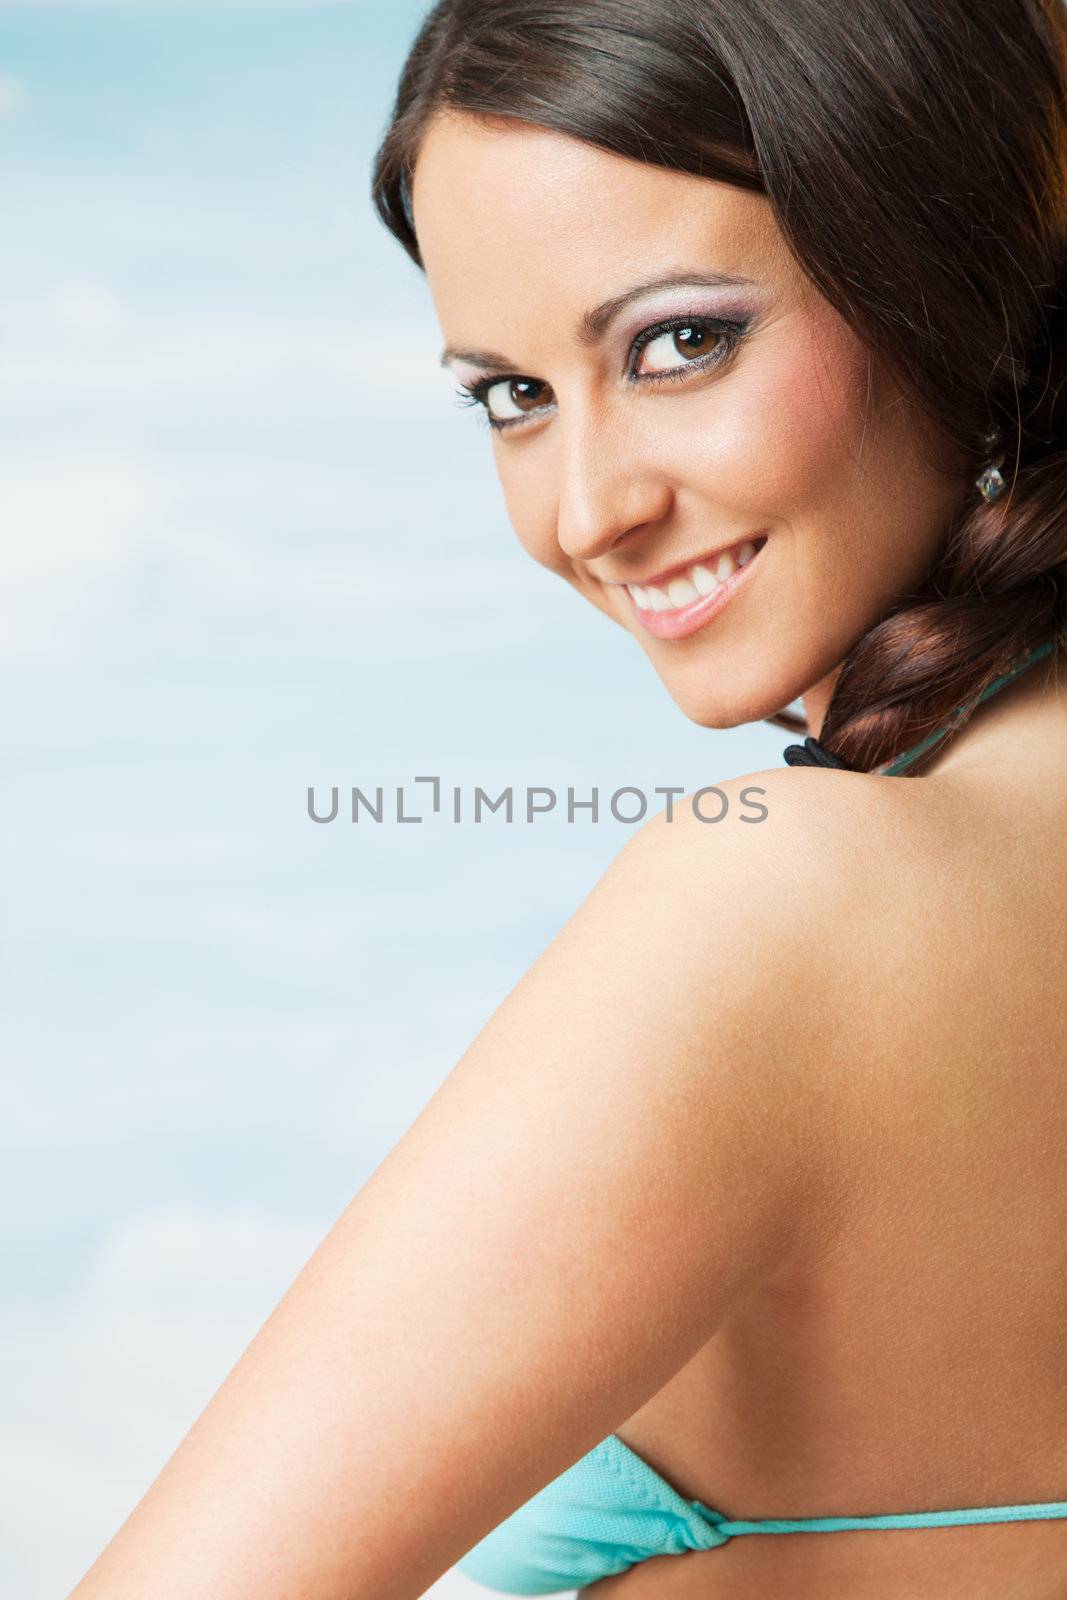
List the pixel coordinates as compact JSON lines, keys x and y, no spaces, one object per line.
{"x":668,"y":573}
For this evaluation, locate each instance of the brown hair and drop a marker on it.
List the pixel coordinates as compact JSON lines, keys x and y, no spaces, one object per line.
{"x":915,"y":156}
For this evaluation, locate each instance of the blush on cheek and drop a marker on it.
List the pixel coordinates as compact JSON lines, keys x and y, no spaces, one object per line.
{"x":797,"y":418}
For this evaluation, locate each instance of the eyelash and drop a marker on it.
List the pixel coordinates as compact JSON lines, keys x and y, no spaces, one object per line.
{"x":732,"y":332}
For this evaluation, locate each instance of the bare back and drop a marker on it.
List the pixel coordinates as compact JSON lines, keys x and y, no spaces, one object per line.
{"x":917,"y":1359}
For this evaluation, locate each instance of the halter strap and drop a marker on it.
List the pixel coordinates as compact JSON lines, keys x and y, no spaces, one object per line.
{"x":812,"y":754}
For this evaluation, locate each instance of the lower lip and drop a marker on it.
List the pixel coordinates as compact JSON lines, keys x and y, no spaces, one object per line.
{"x":687,"y":619}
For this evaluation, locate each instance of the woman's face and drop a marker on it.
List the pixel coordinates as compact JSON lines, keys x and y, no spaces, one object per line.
{"x":684,"y":429}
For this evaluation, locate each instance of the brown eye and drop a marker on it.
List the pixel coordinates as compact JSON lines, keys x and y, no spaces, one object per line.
{"x":516,"y":397}
{"x":687,"y":342}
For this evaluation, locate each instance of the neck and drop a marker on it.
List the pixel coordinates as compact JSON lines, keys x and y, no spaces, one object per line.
{"x":816,"y":701}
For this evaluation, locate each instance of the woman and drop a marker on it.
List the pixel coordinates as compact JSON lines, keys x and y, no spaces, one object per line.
{"x":746,"y":1213}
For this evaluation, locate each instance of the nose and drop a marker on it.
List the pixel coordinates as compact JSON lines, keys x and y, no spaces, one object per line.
{"x":607,"y":489}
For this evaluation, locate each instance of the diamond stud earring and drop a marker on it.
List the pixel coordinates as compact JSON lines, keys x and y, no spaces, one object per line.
{"x":990,"y":482}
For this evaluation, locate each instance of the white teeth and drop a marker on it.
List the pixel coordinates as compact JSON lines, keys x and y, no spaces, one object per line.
{"x":680,"y":592}
{"x":689,"y":586}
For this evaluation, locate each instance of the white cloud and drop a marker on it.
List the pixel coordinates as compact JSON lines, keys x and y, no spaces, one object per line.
{"x":14,"y":96}
{"x":80,"y":523}
{"x":153,"y":358}
{"x":241,"y":528}
{"x":183,"y":1263}
{"x":70,"y":522}
{"x":87,"y":307}
{"x":112,"y":1378}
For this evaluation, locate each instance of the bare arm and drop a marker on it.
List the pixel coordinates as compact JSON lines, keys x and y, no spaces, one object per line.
{"x":625,"y":1149}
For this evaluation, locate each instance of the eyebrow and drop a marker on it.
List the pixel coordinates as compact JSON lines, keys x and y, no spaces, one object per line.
{"x":593,"y":324}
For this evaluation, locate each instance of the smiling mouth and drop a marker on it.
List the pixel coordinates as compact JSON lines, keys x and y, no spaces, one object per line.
{"x":689,"y":599}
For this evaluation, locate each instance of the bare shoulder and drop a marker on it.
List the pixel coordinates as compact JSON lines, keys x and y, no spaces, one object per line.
{"x":784,"y":908}
{"x":722,"y":930}
{"x":780,"y":858}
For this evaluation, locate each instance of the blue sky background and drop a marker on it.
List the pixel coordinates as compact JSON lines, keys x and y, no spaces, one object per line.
{"x":248,"y":544}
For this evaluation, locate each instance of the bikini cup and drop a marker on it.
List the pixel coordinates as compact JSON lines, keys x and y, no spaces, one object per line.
{"x":611,"y":1510}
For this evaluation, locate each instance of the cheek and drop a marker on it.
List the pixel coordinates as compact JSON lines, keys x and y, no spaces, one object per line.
{"x":792,"y":428}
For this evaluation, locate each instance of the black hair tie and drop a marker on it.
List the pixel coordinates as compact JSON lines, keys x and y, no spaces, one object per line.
{"x":812,"y":754}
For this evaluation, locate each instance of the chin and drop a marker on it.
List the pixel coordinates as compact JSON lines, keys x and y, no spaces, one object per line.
{"x":720,"y":710}
{"x":712,"y":696}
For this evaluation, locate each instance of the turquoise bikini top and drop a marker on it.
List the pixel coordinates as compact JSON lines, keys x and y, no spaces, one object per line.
{"x":611,"y":1510}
